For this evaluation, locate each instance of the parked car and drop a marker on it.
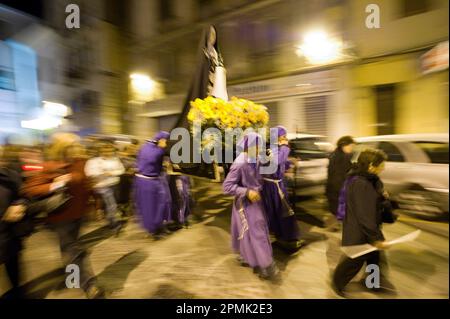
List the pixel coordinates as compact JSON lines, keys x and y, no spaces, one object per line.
{"x":416,"y":173}
{"x":310,"y":153}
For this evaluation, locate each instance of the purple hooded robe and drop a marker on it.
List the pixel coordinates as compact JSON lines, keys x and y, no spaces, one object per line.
{"x":283,"y":226}
{"x":153,"y":201}
{"x":249,"y":230}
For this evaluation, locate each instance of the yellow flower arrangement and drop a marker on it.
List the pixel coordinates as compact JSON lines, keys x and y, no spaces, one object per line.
{"x":215,"y":112}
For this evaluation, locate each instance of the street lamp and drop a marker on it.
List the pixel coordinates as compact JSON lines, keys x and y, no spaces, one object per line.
{"x":42,"y":123}
{"x":56,"y":109}
{"x":142,"y":84}
{"x":319,"y":48}
{"x":144,"y":89}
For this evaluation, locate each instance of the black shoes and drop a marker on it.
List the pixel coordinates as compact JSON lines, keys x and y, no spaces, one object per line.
{"x":337,"y":291}
{"x":242,"y":262}
{"x":291,"y":246}
{"x":161,"y":233}
{"x":269,"y":273}
{"x":386,"y":287}
{"x":95,"y":292}
{"x":14,"y":294}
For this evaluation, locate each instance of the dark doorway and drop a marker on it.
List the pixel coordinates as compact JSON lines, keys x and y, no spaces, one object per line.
{"x":385,"y":109}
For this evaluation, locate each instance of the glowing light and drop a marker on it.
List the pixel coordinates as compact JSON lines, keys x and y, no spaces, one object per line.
{"x":42,"y":123}
{"x":32,"y":168}
{"x":319,"y":48}
{"x":56,"y":109}
{"x":143,"y":84}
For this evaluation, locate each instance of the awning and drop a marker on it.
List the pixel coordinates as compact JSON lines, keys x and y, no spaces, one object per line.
{"x":436,"y":59}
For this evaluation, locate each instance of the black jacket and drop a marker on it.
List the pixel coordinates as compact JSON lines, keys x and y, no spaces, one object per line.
{"x":365,"y":210}
{"x":10,"y":183}
{"x":338,"y":168}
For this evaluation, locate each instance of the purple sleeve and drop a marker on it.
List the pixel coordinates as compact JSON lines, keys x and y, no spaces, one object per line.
{"x":283,"y":154}
{"x":231,"y":184}
{"x":139,"y":160}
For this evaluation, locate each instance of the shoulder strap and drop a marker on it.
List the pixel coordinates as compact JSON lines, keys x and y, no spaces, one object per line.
{"x":343,"y":198}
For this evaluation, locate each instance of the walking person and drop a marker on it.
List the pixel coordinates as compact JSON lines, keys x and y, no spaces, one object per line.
{"x":152,"y":194}
{"x":280,"y":215}
{"x":338,"y":167}
{"x":249,"y":229}
{"x":124,"y":190}
{"x":65,"y":172}
{"x":12,"y":211}
{"x":182,"y":200}
{"x":105,"y":171}
{"x":366,"y":208}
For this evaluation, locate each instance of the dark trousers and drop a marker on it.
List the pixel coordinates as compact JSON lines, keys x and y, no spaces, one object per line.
{"x":348,"y":268}
{"x":12,"y":261}
{"x":72,"y":250}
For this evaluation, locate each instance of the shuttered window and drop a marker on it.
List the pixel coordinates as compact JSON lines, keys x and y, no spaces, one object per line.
{"x":272,"y":109}
{"x":315,"y":109}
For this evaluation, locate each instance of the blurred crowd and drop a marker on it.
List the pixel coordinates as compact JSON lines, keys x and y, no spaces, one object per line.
{"x":60,"y":185}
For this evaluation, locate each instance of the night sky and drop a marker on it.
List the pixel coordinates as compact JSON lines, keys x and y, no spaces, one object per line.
{"x":33,"y":7}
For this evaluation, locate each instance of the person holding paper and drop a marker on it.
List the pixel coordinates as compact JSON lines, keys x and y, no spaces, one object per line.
{"x":365,"y":212}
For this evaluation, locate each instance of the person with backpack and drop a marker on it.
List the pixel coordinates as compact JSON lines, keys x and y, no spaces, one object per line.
{"x":364,"y":208}
{"x":338,"y":167}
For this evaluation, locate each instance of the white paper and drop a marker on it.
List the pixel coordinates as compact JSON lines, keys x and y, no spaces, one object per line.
{"x":360,"y":250}
{"x":404,"y":239}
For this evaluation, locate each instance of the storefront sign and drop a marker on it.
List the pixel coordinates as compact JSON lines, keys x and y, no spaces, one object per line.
{"x":436,"y":59}
{"x":308,"y":83}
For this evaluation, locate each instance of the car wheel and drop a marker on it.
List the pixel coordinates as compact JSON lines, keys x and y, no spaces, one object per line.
{"x":419,"y":202}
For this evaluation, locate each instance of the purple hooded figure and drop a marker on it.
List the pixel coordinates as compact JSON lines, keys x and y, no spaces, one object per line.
{"x":182,"y":199}
{"x":281,"y":218}
{"x":249,"y":230}
{"x":153,"y":201}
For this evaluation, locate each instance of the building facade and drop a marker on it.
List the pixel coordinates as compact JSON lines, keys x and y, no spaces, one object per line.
{"x":83,"y":68}
{"x":376,"y":87}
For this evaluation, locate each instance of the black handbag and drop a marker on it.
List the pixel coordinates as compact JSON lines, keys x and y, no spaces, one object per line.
{"x":387,"y":214}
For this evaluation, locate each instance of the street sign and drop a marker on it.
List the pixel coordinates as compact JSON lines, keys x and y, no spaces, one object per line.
{"x":435,"y":59}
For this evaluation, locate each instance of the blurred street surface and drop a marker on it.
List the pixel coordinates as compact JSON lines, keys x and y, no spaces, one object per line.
{"x":198,"y":263}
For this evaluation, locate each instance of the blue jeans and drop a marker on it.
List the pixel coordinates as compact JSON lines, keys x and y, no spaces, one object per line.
{"x":107,"y":194}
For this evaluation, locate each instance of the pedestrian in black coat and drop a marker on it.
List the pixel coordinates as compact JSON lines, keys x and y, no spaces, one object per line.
{"x":11,"y":212}
{"x":366,"y":208}
{"x":338,"y":167}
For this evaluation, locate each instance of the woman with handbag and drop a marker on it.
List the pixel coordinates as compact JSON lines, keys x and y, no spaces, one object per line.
{"x":64,"y":173}
{"x":366,"y":209}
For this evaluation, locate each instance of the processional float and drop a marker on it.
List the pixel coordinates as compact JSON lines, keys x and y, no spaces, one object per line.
{"x":207,"y":102}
